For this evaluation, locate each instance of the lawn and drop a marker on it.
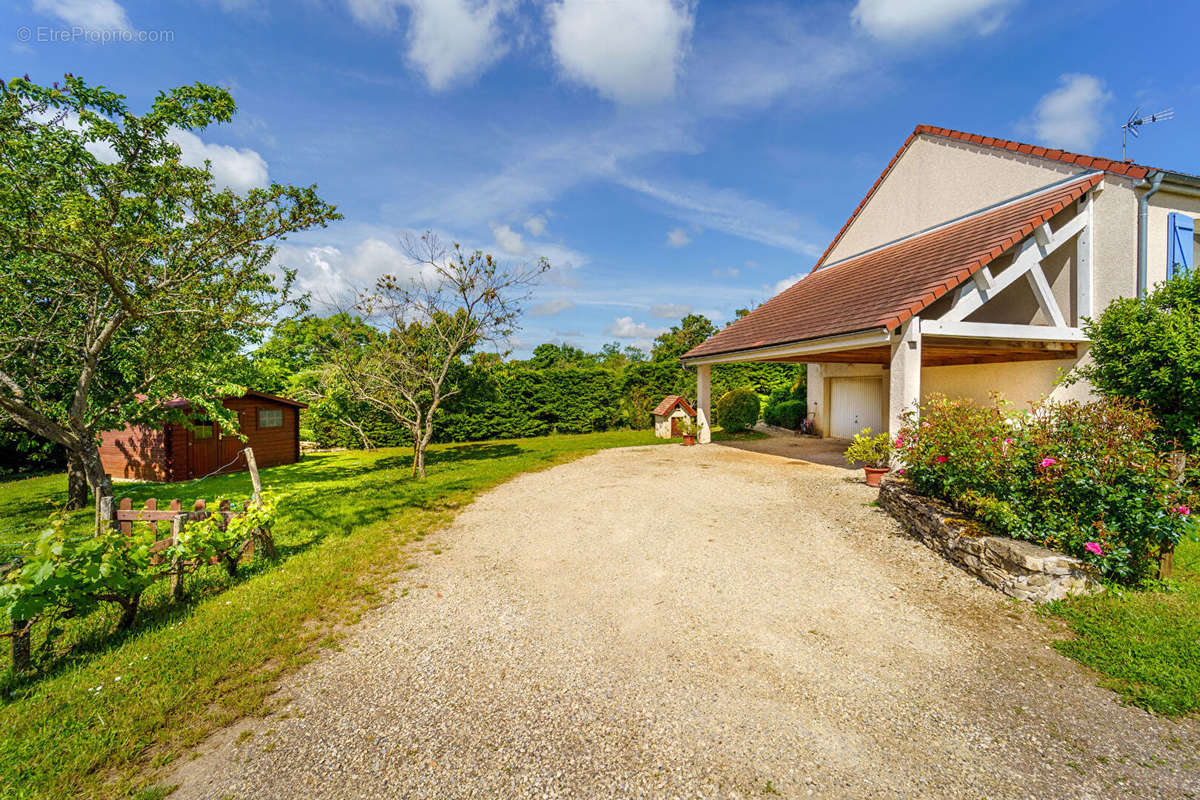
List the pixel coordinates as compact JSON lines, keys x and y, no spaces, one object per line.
{"x":109,"y":709}
{"x":1145,"y":643}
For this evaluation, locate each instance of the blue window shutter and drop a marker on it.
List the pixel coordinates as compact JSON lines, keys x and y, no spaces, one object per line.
{"x":1181,"y":246}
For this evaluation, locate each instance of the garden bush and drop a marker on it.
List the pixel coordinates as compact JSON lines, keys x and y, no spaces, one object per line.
{"x":1148,"y":349}
{"x":738,"y":410}
{"x":1081,"y":478}
{"x":787,"y":414}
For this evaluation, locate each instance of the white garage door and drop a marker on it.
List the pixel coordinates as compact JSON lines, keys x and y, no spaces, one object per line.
{"x":854,"y":404}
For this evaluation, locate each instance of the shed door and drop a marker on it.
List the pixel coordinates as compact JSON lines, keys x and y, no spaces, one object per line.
{"x":854,"y":404}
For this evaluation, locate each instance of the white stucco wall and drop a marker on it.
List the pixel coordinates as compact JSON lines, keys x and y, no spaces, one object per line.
{"x":1163,"y":203}
{"x":936,"y":180}
{"x":662,"y":425}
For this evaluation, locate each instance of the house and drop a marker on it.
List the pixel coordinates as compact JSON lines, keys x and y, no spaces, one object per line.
{"x":966,"y":270}
{"x":667,"y":415}
{"x":175,"y":452}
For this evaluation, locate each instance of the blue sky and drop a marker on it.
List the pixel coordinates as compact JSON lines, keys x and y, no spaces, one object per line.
{"x":666,"y":156}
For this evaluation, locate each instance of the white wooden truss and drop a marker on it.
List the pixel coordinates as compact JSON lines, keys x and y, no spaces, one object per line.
{"x":1027,"y":263}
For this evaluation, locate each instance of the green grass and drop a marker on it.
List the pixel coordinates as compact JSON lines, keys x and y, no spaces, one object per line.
{"x":110,"y":709}
{"x":1145,"y":643}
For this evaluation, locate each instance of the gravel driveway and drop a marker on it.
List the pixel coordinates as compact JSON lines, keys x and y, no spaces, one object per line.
{"x":694,"y":622}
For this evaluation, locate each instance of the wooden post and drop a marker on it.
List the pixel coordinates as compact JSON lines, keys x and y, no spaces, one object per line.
{"x":255,"y":481}
{"x":176,"y":563}
{"x":268,"y":541}
{"x":20,"y":646}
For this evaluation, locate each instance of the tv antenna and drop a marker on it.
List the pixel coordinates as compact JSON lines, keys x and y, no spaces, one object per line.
{"x":1134,"y":122}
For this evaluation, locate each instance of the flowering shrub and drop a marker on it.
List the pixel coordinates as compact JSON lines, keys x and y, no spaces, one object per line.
{"x":1081,"y":478}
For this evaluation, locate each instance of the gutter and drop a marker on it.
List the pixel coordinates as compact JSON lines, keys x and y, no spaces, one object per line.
{"x":1154,"y":184}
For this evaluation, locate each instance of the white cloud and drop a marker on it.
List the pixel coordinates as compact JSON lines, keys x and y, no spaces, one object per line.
{"x":907,"y":20}
{"x":670,"y":310}
{"x":239,"y":169}
{"x":551,"y":307}
{"x":1069,"y":117}
{"x":767,"y":53}
{"x":449,"y":41}
{"x":98,"y":15}
{"x":787,"y":282}
{"x":628,"y":50}
{"x":728,"y":211}
{"x":333,"y":272}
{"x":508,"y":240}
{"x":536,"y":225}
{"x":677,"y":237}
{"x":626,"y":328}
{"x":732,"y":272}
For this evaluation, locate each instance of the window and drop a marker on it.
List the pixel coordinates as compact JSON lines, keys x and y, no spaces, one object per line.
{"x":1181,"y":244}
{"x":270,"y":418}
{"x":202,"y":430}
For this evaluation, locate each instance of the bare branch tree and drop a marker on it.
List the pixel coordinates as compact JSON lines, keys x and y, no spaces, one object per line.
{"x":424,"y":324}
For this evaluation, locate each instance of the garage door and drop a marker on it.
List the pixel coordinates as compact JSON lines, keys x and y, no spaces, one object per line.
{"x":854,"y":404}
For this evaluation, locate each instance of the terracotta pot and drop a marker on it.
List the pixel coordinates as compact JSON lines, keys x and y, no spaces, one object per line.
{"x":688,"y":441}
{"x":875,"y":473}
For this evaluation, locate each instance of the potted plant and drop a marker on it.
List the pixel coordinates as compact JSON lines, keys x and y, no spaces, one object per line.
{"x":872,"y":452}
{"x":688,"y":429}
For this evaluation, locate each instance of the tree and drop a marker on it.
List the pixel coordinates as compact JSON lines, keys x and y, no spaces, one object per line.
{"x":691,"y":331}
{"x":1148,"y":350}
{"x":299,"y":344}
{"x":424,"y":325}
{"x":128,"y":278}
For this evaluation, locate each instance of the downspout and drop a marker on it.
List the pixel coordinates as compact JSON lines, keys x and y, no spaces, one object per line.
{"x":1156,"y":179}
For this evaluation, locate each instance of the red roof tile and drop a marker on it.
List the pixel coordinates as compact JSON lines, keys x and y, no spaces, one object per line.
{"x":669,"y":402}
{"x":884,"y":288}
{"x":1137,"y":171}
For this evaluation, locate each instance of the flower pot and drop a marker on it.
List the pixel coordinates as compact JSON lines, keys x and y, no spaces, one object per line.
{"x":688,"y":441}
{"x":874,"y":474}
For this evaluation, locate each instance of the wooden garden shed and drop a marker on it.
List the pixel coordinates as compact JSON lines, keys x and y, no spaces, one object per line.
{"x":175,"y":452}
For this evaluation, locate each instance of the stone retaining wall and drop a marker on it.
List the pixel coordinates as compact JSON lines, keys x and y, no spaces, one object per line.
{"x":1019,"y":569}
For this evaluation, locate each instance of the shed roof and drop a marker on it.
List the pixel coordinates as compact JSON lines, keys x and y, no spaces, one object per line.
{"x":183,"y":402}
{"x":886,"y":286}
{"x":669,"y":402}
{"x":1127,"y":168}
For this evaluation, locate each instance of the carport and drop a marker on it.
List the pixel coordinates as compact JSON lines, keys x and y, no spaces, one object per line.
{"x":989,"y":302}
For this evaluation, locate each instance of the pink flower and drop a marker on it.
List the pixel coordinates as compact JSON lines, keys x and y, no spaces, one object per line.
{"x":1182,"y":511}
{"x":899,"y":441}
{"x":1094,"y":548}
{"x":942,"y":459}
{"x":1048,"y":462}
{"x":901,"y":470}
{"x":1008,"y":441}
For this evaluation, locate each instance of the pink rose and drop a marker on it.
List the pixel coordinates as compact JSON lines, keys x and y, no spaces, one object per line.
{"x":1008,"y":441}
{"x":1182,"y":511}
{"x":942,"y":459}
{"x":901,"y":470}
{"x":1048,"y":462}
{"x":1094,"y":548}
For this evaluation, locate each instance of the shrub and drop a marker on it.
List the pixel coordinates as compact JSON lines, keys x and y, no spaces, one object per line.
{"x":1148,"y":350}
{"x":738,"y":410}
{"x":788,"y":414}
{"x":1081,"y":478}
{"x":868,"y":450}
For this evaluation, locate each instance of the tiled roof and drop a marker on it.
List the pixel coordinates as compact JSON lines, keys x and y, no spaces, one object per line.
{"x":1136,"y":171}
{"x":669,"y":402}
{"x":885,"y":287}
